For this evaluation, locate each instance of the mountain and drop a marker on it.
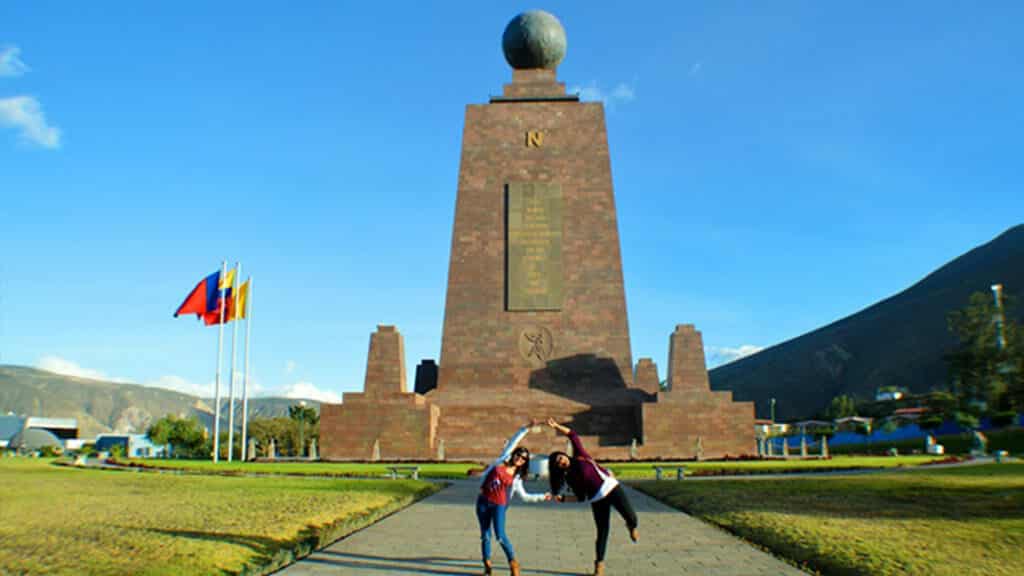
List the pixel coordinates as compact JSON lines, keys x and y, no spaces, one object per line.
{"x":899,"y":341}
{"x":101,"y":406}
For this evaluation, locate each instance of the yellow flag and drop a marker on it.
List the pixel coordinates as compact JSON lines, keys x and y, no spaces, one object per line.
{"x":228,"y":281}
{"x":241,"y":307}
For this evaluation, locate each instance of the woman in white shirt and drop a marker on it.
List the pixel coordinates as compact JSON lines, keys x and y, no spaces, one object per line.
{"x":504,"y":477}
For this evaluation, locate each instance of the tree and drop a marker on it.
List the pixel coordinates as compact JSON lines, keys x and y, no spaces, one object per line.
{"x":280,"y":430}
{"x":841,"y":406}
{"x":985,"y":368}
{"x":186,"y":436}
{"x":303,"y":415}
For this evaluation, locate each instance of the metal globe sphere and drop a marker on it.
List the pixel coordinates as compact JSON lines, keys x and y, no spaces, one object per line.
{"x":534,"y":39}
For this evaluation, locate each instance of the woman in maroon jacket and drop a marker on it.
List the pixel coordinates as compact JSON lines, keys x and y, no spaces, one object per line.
{"x":591,"y":484}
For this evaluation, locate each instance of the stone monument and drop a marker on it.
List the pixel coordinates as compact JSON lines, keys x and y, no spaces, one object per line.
{"x":535,"y":320}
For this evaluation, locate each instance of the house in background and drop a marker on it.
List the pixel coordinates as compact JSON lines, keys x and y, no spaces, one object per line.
{"x":63,"y":428}
{"x":132,"y":445}
{"x":10,"y":426}
{"x":32,"y":432}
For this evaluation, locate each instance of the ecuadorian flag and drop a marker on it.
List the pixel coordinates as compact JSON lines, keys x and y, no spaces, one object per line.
{"x":204,"y":300}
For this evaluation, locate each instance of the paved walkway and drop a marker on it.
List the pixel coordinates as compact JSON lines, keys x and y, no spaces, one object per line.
{"x":439,"y":535}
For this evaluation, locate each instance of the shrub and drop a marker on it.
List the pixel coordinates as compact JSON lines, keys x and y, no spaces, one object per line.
{"x":50,"y":451}
{"x":1003,"y":419}
{"x":966,"y":420}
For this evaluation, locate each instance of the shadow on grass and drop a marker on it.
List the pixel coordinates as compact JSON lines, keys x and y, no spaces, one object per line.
{"x":261,"y":545}
{"x":272,"y":554}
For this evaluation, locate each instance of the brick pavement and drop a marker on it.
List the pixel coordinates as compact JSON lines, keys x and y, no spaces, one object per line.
{"x":439,"y":535}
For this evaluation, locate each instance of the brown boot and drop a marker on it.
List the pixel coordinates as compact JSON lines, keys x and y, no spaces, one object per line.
{"x":487,"y":568}
{"x":634,"y":534}
{"x":513,"y":566}
{"x":598,"y":568}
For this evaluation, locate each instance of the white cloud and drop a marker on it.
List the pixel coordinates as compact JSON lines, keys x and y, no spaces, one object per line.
{"x":179,"y":384}
{"x":290,"y":366}
{"x":695,"y":69}
{"x":307,"y":390}
{"x":10,"y":64}
{"x":299,"y":390}
{"x":66,"y":367}
{"x":718,"y":355}
{"x":25,"y":114}
{"x":621,"y":93}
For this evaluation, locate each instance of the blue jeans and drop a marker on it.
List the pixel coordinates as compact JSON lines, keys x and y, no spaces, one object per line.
{"x":490,"y":514}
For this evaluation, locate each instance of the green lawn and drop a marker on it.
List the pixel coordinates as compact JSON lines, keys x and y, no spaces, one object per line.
{"x":59,"y":520}
{"x":643,"y":470}
{"x":628,"y":470}
{"x":339,"y":469}
{"x":967,"y":520}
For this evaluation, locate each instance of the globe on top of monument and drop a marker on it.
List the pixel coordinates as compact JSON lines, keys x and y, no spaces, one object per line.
{"x":534,"y":39}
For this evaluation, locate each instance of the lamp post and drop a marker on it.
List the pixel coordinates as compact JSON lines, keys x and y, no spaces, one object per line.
{"x":302,"y":427}
{"x":997,"y":293}
{"x":773,"y":410}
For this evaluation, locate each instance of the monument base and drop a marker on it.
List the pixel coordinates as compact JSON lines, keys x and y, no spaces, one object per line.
{"x":391,"y":427}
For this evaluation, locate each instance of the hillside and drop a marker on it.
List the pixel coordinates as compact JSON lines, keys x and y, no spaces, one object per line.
{"x":102,"y":406}
{"x":898,"y":341}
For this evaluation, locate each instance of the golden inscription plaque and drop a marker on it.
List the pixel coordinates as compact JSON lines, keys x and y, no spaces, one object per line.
{"x":533,"y":279}
{"x":534,"y":139}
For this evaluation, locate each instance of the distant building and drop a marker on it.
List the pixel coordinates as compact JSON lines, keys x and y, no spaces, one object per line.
{"x":33,"y":439}
{"x":885,"y":395}
{"x":133,"y":445}
{"x":765,"y":428}
{"x":63,"y":428}
{"x":11,"y":425}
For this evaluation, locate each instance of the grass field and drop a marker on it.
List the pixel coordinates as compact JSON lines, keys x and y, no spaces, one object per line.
{"x":59,"y":520}
{"x":626,"y":470}
{"x":643,"y":470}
{"x":967,"y":520}
{"x":339,"y":469}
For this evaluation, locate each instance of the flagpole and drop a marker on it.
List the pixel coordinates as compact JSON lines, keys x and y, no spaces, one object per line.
{"x":231,"y":385}
{"x":245,"y":380}
{"x":220,"y":347}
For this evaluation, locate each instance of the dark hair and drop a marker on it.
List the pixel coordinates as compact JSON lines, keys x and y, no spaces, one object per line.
{"x":556,"y":475}
{"x":524,"y":469}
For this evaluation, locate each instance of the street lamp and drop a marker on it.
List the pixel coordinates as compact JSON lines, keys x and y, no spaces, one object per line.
{"x":773,"y":410}
{"x":997,"y":293}
{"x":302,"y":426}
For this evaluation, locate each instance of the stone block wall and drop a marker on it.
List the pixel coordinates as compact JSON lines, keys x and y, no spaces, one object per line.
{"x":646,"y":377}
{"x":686,"y":364}
{"x":385,"y":364}
{"x":480,"y":348}
{"x":402,"y":424}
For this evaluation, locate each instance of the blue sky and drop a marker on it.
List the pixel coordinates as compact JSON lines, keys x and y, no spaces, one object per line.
{"x":777,"y":166}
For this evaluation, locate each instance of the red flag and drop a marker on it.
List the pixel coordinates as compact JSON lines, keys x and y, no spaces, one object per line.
{"x":201,"y":297}
{"x":213,"y":318}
